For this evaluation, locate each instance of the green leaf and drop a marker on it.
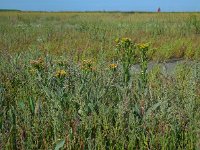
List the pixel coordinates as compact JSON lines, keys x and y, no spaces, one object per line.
{"x":153,"y":108}
{"x":59,"y":144}
{"x":31,"y":105}
{"x":21,"y":105}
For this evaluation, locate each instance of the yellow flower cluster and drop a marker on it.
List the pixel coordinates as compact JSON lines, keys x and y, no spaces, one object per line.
{"x":122,"y":40}
{"x":117,"y":40}
{"x":32,"y":71}
{"x":61,"y":73}
{"x":123,"y":43}
{"x":143,"y":46}
{"x":87,"y":65}
{"x":126,"y":40}
{"x":38,"y":64}
{"x":113,"y":66}
{"x":87,"y":62}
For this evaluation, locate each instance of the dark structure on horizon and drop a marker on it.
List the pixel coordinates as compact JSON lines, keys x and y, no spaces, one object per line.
{"x":159,"y":10}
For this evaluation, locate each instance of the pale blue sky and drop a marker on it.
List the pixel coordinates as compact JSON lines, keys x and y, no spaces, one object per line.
{"x":111,"y":5}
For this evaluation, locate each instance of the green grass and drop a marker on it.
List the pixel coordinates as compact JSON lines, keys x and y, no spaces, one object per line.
{"x":58,"y":88}
{"x":172,"y":35}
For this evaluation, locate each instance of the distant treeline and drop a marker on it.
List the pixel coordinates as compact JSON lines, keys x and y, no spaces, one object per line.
{"x":9,"y":10}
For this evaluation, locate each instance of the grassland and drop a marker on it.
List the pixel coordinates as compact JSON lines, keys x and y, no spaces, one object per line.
{"x":172,"y":35}
{"x":66,"y":82}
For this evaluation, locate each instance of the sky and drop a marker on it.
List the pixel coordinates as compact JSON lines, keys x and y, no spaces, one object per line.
{"x":101,"y":5}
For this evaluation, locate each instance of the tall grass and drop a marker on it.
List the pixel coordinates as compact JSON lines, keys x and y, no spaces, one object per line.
{"x":85,"y":108}
{"x":172,"y":35}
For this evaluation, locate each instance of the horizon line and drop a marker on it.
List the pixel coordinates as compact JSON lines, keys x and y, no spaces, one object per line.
{"x":100,"y":11}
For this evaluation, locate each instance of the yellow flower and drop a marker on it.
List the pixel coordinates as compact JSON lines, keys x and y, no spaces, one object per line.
{"x":61,"y":73}
{"x":32,"y":71}
{"x":143,"y":46}
{"x":113,"y":66}
{"x":117,"y":40}
{"x":38,"y":64}
{"x":125,"y":40}
{"x":87,"y":64}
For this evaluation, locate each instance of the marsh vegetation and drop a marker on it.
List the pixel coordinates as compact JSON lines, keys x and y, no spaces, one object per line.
{"x":67,"y":82}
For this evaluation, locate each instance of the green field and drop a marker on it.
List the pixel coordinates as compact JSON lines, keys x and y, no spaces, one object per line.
{"x":67,"y":81}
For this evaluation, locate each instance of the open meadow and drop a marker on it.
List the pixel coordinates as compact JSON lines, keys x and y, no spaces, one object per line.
{"x":68,"y":81}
